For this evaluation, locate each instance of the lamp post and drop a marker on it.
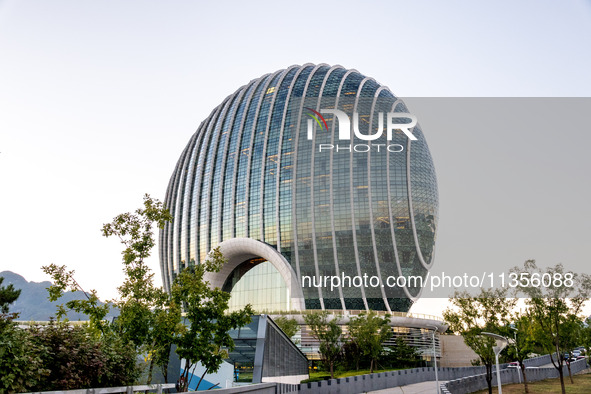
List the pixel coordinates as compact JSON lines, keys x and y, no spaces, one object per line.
{"x":501,"y":344}
{"x":516,"y":351}
{"x":435,"y":358}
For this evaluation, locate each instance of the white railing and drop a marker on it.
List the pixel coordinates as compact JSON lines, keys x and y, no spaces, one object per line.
{"x":111,"y":390}
{"x":356,"y":312}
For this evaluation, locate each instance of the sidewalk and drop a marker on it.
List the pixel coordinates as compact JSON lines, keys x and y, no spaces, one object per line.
{"x":417,"y":388}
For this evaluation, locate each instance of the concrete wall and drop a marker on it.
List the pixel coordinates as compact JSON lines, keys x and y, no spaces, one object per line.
{"x":455,"y":352}
{"x":384,"y":380}
{"x":261,"y":388}
{"x":478,"y":382}
{"x":363,"y":383}
{"x":292,"y":379}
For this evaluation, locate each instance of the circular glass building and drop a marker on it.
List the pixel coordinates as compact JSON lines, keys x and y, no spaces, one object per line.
{"x":317,"y":184}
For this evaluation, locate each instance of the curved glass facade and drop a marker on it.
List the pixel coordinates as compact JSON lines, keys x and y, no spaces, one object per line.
{"x":270,"y":165}
{"x":257,"y":282}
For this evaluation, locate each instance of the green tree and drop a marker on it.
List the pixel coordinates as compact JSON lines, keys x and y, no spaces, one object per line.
{"x":206,"y":340}
{"x":8,"y":294}
{"x":571,"y":338}
{"x":402,"y":355}
{"x":329,"y":335}
{"x":21,"y":367}
{"x":369,"y":331}
{"x":76,"y":358}
{"x":63,"y":280}
{"x":473,"y":315}
{"x":554,"y":304}
{"x":147,"y":316}
{"x":522,"y":331}
{"x":288,"y":325}
{"x":351,"y":356}
{"x":586,"y":335}
{"x":166,"y":325}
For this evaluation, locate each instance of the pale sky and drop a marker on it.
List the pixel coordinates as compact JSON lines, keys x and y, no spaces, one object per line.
{"x":98,"y":99}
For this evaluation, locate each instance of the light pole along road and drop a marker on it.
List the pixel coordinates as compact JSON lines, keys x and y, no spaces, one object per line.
{"x":501,"y":343}
{"x":435,"y":358}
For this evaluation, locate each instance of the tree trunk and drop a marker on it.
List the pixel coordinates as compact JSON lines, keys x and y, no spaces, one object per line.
{"x":150,"y":371}
{"x":165,"y":374}
{"x":560,"y":358}
{"x":164,"y":366}
{"x":371,"y":366}
{"x":202,"y":376}
{"x":561,"y":380}
{"x":331,"y":369}
{"x":552,"y":359}
{"x":184,"y":384}
{"x":524,"y":377}
{"x":570,"y":374}
{"x":489,"y":378}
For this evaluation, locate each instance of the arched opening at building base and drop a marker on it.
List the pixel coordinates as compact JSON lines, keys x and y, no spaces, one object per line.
{"x":258,"y":283}
{"x":246,"y":255}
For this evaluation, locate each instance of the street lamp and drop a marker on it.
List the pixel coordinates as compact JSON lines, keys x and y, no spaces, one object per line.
{"x":435,"y":358}
{"x":516,"y":351}
{"x":501,"y":343}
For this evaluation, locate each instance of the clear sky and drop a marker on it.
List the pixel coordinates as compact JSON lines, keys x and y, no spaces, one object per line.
{"x":98,"y":99}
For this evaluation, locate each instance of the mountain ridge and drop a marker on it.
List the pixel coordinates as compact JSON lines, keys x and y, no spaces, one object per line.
{"x":33,"y":304}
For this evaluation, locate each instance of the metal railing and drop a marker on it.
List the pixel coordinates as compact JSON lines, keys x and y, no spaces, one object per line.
{"x":29,"y":323}
{"x":355,"y":313}
{"x":111,"y":390}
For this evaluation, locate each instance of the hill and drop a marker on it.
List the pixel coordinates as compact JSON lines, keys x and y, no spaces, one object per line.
{"x":33,"y":303}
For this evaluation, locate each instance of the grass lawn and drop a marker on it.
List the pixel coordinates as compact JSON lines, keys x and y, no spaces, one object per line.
{"x":245,"y":376}
{"x":582,"y":386}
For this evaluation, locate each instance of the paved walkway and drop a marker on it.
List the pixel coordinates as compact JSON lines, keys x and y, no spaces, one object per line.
{"x":417,"y":388}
